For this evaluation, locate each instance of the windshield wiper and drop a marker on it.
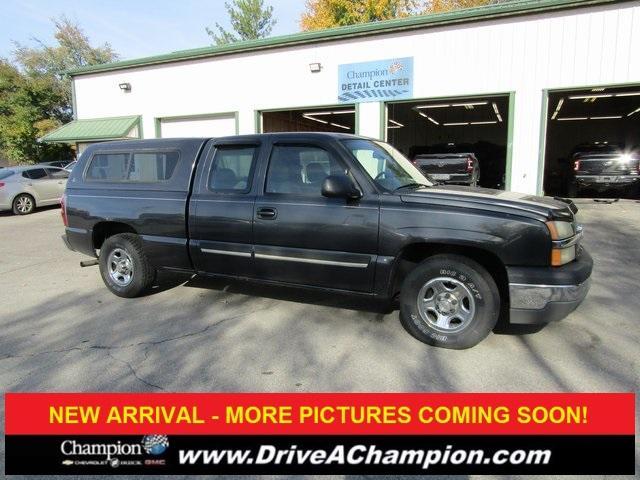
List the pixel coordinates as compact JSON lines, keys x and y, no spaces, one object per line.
{"x":412,"y":185}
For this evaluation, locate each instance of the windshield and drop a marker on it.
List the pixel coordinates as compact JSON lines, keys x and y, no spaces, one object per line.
{"x":386,"y":166}
{"x":5,"y":173}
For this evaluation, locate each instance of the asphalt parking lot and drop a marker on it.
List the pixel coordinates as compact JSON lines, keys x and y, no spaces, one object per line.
{"x":63,"y":331}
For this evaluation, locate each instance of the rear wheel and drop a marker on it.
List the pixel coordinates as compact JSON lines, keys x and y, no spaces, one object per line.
{"x":23,"y":204}
{"x":449,"y":301}
{"x":124,"y":267}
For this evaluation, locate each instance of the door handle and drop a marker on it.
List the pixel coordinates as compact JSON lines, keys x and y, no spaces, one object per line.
{"x":267,"y":213}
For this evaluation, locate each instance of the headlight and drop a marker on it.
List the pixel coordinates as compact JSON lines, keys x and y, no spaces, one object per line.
{"x":560,"y":230}
{"x":560,"y":256}
{"x":563,"y":249}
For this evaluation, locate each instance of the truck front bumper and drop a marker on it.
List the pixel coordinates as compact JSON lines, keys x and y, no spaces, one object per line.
{"x":539,"y":295}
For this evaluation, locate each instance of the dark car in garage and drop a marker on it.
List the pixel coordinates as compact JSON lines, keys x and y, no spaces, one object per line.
{"x":603,"y":168}
{"x":450,"y":168}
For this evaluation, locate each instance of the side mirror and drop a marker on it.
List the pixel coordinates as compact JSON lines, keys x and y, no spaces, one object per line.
{"x":340,"y":186}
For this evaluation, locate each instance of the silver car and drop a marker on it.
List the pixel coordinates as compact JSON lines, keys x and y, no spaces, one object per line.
{"x":22,"y":189}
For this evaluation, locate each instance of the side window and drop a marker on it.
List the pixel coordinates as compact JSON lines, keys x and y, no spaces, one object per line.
{"x":232,"y":169}
{"x":297,"y":169}
{"x":152,"y":167}
{"x":143,"y":167}
{"x":111,"y":167}
{"x":35,"y":173}
{"x":57,"y":173}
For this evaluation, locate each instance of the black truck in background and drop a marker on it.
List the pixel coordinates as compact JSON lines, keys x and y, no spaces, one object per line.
{"x":604,"y":167}
{"x":335,"y":212}
{"x":449,"y":168}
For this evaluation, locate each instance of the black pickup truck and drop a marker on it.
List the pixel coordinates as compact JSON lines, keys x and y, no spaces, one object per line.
{"x":334,"y":212}
{"x":602,"y":170}
{"x":449,"y":168}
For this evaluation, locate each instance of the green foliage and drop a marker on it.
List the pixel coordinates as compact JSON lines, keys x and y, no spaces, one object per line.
{"x":35,"y":94}
{"x":249,"y":19}
{"x":321,"y":14}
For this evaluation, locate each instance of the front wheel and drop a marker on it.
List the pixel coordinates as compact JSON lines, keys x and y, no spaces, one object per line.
{"x":449,"y":301}
{"x":124,"y":267}
{"x":23,"y":204}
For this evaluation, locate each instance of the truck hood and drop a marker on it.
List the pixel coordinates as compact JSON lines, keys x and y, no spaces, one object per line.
{"x":490,"y":199}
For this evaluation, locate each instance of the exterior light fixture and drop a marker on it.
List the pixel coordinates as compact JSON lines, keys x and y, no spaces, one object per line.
{"x":455,"y":123}
{"x":394,"y":124}
{"x":572,"y":118}
{"x":125,"y":86}
{"x":610,"y":117}
{"x":315,"y":67}
{"x":491,"y":122}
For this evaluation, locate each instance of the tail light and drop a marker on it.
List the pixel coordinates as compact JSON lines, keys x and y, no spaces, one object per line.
{"x":576,"y":165}
{"x":1,"y":184}
{"x":469,"y":165}
{"x":63,"y":210}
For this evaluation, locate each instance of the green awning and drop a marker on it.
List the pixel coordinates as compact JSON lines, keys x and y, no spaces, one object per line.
{"x":95,"y":129}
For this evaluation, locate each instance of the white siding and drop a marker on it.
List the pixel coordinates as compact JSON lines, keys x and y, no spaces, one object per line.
{"x":527,"y":54}
{"x":218,"y":126}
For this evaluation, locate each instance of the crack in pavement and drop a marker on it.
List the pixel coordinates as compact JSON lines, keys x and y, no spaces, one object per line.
{"x":149,"y":342}
{"x":135,"y":374}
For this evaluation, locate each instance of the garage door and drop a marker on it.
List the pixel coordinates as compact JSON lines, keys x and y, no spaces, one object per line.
{"x":324,"y":119}
{"x":592,"y":142}
{"x":207,"y":126}
{"x":440,"y":135}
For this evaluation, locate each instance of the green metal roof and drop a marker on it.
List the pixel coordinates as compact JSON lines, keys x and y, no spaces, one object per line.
{"x":93,"y":129}
{"x":508,"y":9}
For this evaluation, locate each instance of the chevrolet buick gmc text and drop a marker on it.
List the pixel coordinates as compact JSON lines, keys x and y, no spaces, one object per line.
{"x":328,"y":211}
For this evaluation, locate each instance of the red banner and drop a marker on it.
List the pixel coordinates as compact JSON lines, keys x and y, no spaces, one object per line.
{"x":320,"y":413}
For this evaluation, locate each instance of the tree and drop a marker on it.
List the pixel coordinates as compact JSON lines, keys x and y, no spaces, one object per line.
{"x":73,"y":50}
{"x":35,"y":93}
{"x":323,"y":14}
{"x":438,"y":6}
{"x":249,"y":19}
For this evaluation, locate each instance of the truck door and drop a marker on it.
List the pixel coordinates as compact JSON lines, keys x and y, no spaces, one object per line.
{"x":305,"y":238}
{"x":221,"y":210}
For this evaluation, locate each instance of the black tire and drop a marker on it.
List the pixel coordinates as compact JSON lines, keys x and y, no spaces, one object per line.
{"x":472,"y":282}
{"x":128,"y":248}
{"x":23,"y":204}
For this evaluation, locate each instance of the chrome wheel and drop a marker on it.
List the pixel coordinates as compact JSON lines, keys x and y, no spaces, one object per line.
{"x":120,"y":267}
{"x":446,"y":304}
{"x":24,"y":204}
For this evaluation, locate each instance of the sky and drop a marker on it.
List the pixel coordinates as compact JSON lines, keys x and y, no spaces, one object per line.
{"x":134,"y":28}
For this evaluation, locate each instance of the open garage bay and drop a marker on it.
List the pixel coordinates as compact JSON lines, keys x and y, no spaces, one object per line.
{"x":470,"y":125}
{"x":593,"y":133}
